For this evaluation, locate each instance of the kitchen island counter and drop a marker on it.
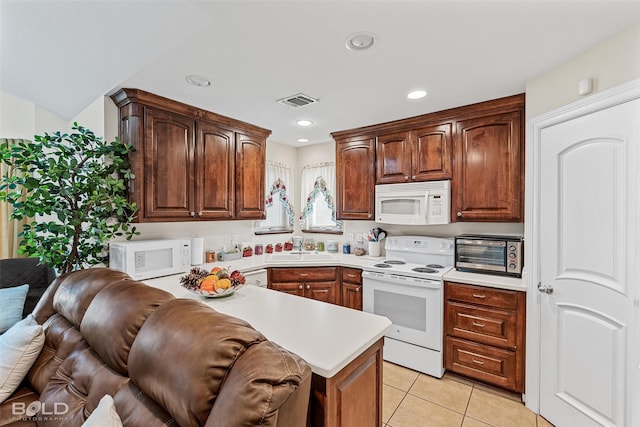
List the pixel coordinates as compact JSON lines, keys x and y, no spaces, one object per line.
{"x":327,"y":336}
{"x":342,"y":346}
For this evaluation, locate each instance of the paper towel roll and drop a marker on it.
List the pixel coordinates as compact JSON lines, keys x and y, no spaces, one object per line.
{"x":197,"y":251}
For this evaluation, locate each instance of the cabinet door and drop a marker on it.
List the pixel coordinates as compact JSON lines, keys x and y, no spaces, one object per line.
{"x":352,"y":296}
{"x":488,"y":182}
{"x":322,"y":291}
{"x":393,"y":158}
{"x":214,"y":169}
{"x":250,"y":158}
{"x":168,"y":166}
{"x":355,"y":182}
{"x":431,"y":153}
{"x":289,"y":288}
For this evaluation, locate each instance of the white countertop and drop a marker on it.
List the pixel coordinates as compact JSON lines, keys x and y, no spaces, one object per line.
{"x":490,"y":280}
{"x":327,"y":336}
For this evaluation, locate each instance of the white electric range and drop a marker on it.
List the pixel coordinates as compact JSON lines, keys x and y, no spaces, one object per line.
{"x":407,"y":288}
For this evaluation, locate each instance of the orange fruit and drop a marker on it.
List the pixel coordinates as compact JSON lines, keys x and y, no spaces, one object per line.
{"x":208,"y":283}
{"x":223,"y":284}
{"x":215,"y":269}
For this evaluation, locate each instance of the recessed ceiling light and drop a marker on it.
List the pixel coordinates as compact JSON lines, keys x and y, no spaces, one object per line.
{"x":304,"y":123}
{"x":417,"y":94}
{"x":360,"y":41}
{"x":198,"y":81}
{"x":302,"y":140}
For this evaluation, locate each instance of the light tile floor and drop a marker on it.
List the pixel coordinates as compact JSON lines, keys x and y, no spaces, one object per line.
{"x":412,"y":399}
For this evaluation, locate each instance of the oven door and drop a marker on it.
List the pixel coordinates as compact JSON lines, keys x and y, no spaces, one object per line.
{"x":413,"y":305}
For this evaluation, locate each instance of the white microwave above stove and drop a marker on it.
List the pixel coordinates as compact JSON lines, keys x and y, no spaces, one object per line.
{"x":413,"y":203}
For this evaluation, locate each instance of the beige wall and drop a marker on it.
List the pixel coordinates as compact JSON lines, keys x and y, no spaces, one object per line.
{"x":610,"y":63}
{"x":24,"y":119}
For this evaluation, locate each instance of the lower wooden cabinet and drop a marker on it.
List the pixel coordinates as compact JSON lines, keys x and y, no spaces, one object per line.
{"x":352,"y":397}
{"x":352,"y":288}
{"x":485,"y":334}
{"x":319,"y":283}
{"x":335,"y":285}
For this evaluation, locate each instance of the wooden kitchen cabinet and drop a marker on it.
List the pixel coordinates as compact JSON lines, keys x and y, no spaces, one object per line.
{"x":484,"y":332}
{"x":355,"y":178}
{"x":351,"y":287}
{"x":190,"y":164}
{"x":422,"y":154}
{"x":319,"y":283}
{"x":488,"y":181}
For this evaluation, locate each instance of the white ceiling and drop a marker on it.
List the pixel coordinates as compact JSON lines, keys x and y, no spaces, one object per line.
{"x":63,"y":55}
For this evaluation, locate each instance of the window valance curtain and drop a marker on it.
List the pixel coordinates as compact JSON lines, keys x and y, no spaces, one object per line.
{"x":318,"y":182}
{"x":279,"y":187}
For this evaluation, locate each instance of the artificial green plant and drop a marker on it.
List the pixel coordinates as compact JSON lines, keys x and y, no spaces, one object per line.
{"x":73,"y":187}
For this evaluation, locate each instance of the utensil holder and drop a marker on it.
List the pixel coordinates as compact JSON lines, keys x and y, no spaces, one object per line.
{"x":374,"y":248}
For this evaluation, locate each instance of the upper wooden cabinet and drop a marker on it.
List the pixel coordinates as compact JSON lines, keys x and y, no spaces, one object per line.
{"x":488,"y":182}
{"x":480,"y":147}
{"x":422,"y":154}
{"x":191,"y":164}
{"x":355,"y":183}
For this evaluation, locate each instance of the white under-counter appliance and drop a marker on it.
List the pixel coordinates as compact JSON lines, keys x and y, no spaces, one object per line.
{"x":413,"y":203}
{"x":407,"y":288}
{"x":145,"y":259}
{"x":256,"y":278}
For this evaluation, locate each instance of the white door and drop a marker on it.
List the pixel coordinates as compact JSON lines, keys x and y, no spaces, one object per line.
{"x":587,"y":193}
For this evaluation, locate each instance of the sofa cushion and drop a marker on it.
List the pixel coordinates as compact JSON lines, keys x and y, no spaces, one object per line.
{"x":115,"y":316}
{"x":79,"y":383}
{"x":16,"y":271}
{"x":11,"y":415}
{"x":11,"y":305}
{"x":76,"y":290}
{"x":183,"y":353}
{"x":258,"y":385}
{"x":19,"y":348}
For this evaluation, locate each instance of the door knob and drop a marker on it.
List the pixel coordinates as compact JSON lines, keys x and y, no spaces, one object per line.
{"x":545,"y":289}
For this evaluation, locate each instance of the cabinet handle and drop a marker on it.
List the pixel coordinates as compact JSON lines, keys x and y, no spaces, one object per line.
{"x":357,"y":289}
{"x":459,"y":214}
{"x":300,"y":286}
{"x":413,"y":177}
{"x":479,"y":325}
{"x":351,"y":275}
{"x":479,"y":362}
{"x":200,"y":213}
{"x":406,"y":177}
{"x":308,"y":287}
{"x":303,"y":274}
{"x":192,"y":213}
{"x":479,"y":296}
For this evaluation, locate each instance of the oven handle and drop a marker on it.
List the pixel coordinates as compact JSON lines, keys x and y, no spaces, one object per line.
{"x":400,"y":280}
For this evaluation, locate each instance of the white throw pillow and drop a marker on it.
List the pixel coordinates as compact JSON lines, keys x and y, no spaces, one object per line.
{"x":11,"y":305}
{"x":19,"y":349}
{"x":104,"y":415}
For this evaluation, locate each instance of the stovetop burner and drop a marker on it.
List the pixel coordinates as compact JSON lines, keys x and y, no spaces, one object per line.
{"x":394,"y":262}
{"x":382,"y":265}
{"x":435,"y":266}
{"x":424,"y":270}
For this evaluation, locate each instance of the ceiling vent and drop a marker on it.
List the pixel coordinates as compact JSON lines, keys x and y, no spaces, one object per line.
{"x":298,"y":100}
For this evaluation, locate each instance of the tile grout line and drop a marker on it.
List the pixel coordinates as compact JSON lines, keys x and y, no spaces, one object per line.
{"x":401,"y":400}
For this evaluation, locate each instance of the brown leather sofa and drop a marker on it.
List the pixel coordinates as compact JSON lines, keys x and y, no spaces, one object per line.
{"x":165,"y":361}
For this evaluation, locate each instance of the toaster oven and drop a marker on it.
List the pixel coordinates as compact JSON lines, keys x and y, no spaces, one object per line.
{"x":489,"y":254}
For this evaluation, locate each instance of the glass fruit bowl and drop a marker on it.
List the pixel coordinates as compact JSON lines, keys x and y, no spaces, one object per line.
{"x":217,"y":283}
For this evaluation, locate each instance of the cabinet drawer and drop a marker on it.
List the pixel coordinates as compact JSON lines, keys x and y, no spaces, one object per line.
{"x":303,"y":274}
{"x":352,"y":275}
{"x":482,"y":324}
{"x":483,"y":362}
{"x":480,"y":295}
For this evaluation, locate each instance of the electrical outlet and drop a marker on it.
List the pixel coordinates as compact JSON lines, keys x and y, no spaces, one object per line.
{"x":348,"y":237}
{"x":139,"y":259}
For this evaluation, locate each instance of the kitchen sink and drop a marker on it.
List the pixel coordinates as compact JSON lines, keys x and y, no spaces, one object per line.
{"x":300,"y":256}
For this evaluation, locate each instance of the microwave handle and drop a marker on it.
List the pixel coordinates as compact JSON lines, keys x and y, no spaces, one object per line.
{"x":426,"y":204}
{"x":480,"y":242}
